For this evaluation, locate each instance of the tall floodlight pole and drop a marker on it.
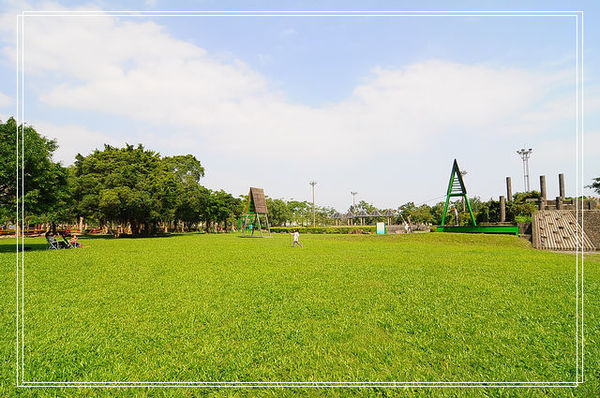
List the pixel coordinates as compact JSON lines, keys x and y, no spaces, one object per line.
{"x":313,"y":183}
{"x":353,"y":200}
{"x":525,"y":154}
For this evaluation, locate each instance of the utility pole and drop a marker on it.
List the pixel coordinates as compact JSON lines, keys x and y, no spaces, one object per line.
{"x":313,"y":183}
{"x":353,"y":200}
{"x":525,"y":154}
{"x":463,"y":173}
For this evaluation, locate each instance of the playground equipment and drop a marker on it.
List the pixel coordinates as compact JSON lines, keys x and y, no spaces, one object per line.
{"x":255,"y":208}
{"x":560,"y":230}
{"x":558,"y":224}
{"x":456,"y":188}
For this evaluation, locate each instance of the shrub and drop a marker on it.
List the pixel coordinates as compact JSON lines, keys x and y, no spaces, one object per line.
{"x":327,"y":230}
{"x":522,"y":219}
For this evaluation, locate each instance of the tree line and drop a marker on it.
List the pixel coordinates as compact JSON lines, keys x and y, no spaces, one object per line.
{"x":134,"y":190}
{"x":129,"y":190}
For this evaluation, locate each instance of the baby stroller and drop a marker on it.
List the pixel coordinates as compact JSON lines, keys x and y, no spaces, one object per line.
{"x":55,"y":244}
{"x":52,"y":243}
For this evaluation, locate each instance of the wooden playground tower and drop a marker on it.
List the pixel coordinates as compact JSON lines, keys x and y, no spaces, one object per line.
{"x":256,"y":208}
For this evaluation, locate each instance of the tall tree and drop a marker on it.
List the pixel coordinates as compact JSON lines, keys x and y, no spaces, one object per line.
{"x":279,"y":212}
{"x":126,"y":186}
{"x":45,"y":196}
{"x":301,"y":211}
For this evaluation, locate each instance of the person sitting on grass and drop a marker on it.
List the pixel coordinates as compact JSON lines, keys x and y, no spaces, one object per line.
{"x":73,"y":241}
{"x":296,"y":236}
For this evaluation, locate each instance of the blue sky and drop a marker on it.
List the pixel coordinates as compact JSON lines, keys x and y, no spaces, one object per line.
{"x":378,"y":105}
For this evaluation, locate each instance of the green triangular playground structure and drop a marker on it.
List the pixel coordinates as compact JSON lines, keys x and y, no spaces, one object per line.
{"x":456,"y":187}
{"x":255,"y":208}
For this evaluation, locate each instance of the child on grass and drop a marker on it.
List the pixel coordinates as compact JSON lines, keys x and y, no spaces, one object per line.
{"x":296,"y":236}
{"x":74,"y":241}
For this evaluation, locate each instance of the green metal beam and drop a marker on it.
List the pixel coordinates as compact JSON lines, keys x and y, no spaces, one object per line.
{"x":481,"y":229}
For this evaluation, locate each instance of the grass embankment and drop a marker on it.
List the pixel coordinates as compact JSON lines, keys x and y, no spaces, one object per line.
{"x":421,"y":307}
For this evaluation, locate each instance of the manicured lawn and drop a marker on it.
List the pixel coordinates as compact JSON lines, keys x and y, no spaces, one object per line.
{"x":421,"y":307}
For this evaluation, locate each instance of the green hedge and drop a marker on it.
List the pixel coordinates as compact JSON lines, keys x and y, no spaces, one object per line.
{"x":366,"y":229}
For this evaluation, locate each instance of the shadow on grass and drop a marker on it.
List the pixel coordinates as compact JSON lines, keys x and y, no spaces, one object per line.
{"x":11,"y":247}
{"x":127,"y":236}
{"x":95,"y":237}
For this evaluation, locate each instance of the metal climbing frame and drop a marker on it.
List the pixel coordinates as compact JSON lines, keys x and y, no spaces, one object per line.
{"x":456,"y":187}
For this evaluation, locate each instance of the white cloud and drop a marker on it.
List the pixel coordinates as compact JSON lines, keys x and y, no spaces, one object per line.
{"x":73,"y":139}
{"x":5,"y":100}
{"x":135,"y":69}
{"x":591,"y":144}
{"x":288,"y":32}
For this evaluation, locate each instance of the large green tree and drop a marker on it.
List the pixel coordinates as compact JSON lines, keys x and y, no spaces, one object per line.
{"x":219,"y":207}
{"x":301,"y":212}
{"x":180,"y":189}
{"x":44,"y":194}
{"x":136,"y":188}
{"x":279,"y":212}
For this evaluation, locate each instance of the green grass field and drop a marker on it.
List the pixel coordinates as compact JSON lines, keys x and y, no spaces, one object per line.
{"x":420,"y":307}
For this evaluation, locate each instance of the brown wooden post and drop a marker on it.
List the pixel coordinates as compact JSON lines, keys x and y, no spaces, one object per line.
{"x":561,"y":185}
{"x":543,"y":187}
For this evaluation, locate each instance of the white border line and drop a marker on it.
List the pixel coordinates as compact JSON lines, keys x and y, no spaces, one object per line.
{"x":17,"y":187}
{"x":21,"y":211}
{"x":580,"y":241}
{"x":292,"y":12}
{"x":20,"y":116}
{"x":302,"y":15}
{"x":582,"y":178}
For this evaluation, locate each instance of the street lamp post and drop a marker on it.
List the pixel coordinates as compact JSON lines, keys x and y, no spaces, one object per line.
{"x":353,"y":200}
{"x":525,"y":154}
{"x":313,"y":183}
{"x":353,"y":203}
